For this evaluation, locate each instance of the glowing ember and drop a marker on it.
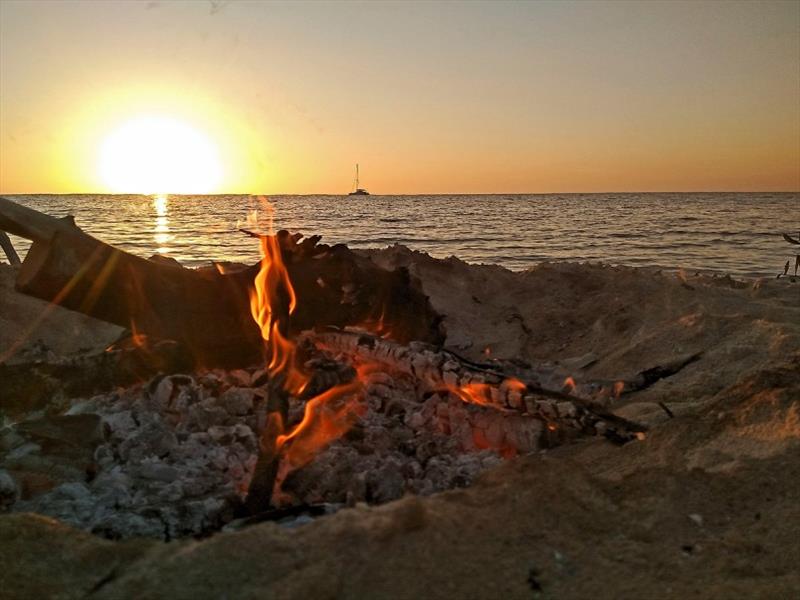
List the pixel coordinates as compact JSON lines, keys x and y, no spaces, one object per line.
{"x":378,"y":326}
{"x":138,"y":339}
{"x":474,"y":393}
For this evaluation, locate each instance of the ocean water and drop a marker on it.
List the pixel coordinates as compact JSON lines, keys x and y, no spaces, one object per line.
{"x":735,"y":233}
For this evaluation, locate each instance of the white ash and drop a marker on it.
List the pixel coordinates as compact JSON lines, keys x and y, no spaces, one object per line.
{"x":408,"y":443}
{"x":177,"y":454}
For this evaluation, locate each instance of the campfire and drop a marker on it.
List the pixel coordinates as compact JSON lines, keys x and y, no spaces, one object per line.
{"x":311,"y":381}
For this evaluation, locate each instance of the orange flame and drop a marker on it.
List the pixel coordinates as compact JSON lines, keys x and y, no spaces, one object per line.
{"x":569,"y":385}
{"x":481,"y":393}
{"x":327,"y":417}
{"x":515,"y":384}
{"x":283,"y":360}
{"x":271,"y":277}
{"x":378,"y":327}
{"x":272,"y":280}
{"x":139,"y":340}
{"x":473,"y":393}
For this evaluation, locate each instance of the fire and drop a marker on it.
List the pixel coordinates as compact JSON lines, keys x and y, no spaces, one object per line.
{"x":273,"y":290}
{"x":569,"y":385}
{"x":283,"y":360}
{"x":272,"y":277}
{"x":138,"y":339}
{"x":327,"y":416}
{"x":481,"y":393}
{"x":473,"y":393}
{"x":515,"y":384}
{"x":378,"y":326}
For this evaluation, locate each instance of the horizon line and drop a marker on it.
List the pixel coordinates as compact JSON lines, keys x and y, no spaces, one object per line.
{"x":795,"y":191}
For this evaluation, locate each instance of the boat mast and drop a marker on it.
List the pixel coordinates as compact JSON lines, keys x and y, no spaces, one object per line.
{"x":356,"y":175}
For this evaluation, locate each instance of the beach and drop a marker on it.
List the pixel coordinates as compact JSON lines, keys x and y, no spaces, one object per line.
{"x":700,"y":502}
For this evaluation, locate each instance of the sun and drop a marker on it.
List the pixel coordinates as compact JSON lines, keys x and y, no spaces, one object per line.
{"x":154,"y":154}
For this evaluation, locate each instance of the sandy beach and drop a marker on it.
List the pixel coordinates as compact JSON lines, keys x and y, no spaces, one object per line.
{"x":700,"y":504}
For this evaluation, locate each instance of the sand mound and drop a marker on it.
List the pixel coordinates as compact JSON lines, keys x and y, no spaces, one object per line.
{"x":614,"y":322}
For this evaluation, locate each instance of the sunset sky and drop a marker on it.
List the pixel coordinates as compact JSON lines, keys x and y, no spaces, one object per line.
{"x":273,"y":98}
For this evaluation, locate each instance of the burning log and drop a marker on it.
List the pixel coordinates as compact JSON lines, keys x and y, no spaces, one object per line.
{"x":476,"y":406}
{"x":435,"y":370}
{"x":335,"y":286}
{"x":204,"y":309}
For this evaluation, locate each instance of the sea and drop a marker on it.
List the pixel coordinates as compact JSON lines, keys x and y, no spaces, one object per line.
{"x":724,"y":233}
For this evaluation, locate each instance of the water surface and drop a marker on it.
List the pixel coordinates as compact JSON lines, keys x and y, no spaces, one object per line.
{"x":736,"y":233}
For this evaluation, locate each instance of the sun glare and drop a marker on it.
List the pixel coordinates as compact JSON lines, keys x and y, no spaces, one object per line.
{"x":159,"y":155}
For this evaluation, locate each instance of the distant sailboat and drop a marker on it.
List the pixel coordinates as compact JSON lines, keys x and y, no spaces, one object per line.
{"x":358,"y":191}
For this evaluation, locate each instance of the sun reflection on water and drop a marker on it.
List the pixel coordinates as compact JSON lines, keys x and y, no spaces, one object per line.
{"x":161,"y":234}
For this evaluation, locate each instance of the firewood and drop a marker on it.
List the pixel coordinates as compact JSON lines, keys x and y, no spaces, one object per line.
{"x":207,"y":311}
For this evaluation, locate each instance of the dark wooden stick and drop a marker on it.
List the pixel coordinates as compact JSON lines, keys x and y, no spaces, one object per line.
{"x":259,"y":491}
{"x":8,"y":248}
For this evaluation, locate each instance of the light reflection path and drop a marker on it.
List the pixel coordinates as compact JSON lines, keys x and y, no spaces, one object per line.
{"x":161,"y":234}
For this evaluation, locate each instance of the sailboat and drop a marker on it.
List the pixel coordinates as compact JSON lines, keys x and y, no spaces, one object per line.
{"x":358,"y":191}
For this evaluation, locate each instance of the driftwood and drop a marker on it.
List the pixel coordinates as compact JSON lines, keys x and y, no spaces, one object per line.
{"x":205,"y":310}
{"x":8,"y":248}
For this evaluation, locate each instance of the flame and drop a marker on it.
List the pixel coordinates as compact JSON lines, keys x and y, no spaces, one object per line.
{"x":619,"y":387}
{"x":481,"y":393}
{"x":515,"y":384}
{"x":327,"y":417}
{"x":473,"y":393}
{"x":270,"y":286}
{"x":569,"y":385}
{"x":271,"y":277}
{"x":139,"y":340}
{"x":377,"y":327}
{"x":284,"y":360}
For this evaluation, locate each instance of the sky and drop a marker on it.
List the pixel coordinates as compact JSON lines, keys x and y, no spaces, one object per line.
{"x":428,"y":97}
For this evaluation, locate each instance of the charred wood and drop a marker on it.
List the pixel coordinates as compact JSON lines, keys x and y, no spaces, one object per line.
{"x":204,"y":310}
{"x":564,"y":416}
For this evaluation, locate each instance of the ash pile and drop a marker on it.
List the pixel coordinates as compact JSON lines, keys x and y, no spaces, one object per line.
{"x":177,"y":456}
{"x":174,"y":457}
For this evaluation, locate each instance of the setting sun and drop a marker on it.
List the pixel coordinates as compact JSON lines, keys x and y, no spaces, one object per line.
{"x":156,"y":154}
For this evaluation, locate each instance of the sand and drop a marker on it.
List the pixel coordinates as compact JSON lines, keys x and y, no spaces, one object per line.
{"x":707,"y":505}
